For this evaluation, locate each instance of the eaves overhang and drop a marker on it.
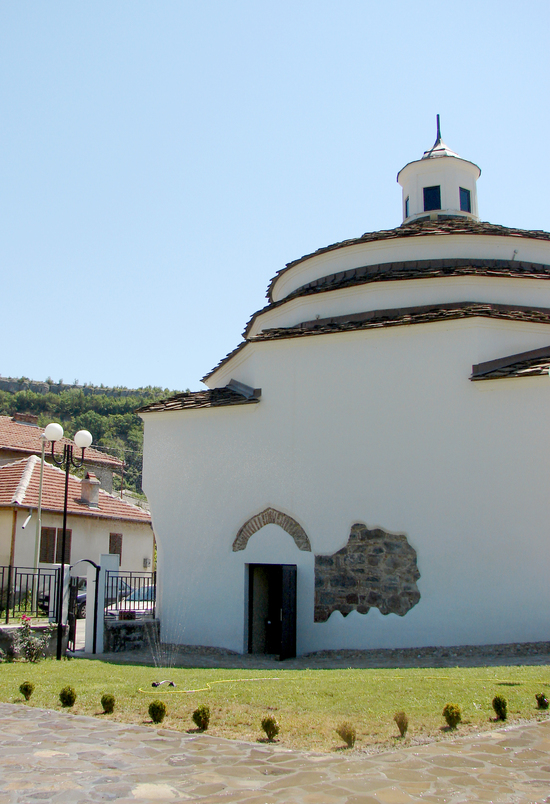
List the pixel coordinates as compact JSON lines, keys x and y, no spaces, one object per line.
{"x":395,"y":317}
{"x":534,"y":363}
{"x":234,"y":393}
{"x":443,"y":225}
{"x":409,"y":270}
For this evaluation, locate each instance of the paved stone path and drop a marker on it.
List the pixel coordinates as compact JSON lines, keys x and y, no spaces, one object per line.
{"x":57,"y":757}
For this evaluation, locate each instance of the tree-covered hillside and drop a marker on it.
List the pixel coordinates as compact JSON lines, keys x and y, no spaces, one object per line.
{"x":108,"y":413}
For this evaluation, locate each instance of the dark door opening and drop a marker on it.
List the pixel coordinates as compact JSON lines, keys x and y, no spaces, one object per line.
{"x":272,"y":609}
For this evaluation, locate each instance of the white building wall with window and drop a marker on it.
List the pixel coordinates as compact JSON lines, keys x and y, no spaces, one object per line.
{"x":90,"y":539}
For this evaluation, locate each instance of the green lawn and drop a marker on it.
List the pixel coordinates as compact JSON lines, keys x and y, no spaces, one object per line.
{"x":309,"y":704}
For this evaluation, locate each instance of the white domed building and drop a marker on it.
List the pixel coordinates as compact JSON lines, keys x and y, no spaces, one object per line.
{"x":370,"y":467}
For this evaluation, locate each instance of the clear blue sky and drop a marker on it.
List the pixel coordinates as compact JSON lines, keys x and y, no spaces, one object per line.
{"x":160,"y":161}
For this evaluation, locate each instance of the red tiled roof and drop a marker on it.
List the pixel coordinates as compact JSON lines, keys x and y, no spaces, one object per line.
{"x":19,"y":482}
{"x":25,"y":438}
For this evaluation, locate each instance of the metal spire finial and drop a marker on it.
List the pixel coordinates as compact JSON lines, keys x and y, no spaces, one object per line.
{"x":438,"y":136}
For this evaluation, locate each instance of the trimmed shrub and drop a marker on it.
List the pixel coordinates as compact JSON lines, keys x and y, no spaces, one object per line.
{"x":402,"y":722}
{"x":157,"y":711}
{"x":348,"y":734}
{"x":108,"y":703}
{"x":500,"y":705}
{"x":271,"y":727}
{"x":542,"y":701}
{"x":67,"y":696}
{"x":26,"y":689}
{"x":201,"y":717}
{"x":452,"y":714}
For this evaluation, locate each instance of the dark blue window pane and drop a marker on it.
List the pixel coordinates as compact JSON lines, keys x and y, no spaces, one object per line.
{"x":465,"y":203}
{"x":407,"y":207}
{"x":432,"y":198}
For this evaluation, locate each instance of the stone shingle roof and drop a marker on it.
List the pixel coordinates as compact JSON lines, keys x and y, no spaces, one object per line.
{"x":19,"y":482}
{"x":397,"y":317}
{"x":534,"y":363}
{"x":411,"y":269}
{"x":444,"y":225}
{"x":212,"y":398}
{"x":422,"y":227}
{"x":409,"y":315}
{"x":25,"y":438}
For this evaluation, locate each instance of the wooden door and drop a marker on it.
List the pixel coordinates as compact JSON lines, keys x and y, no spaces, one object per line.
{"x":288,"y":611}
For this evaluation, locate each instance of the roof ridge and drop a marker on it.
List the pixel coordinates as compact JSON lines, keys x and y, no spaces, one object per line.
{"x":24,"y":480}
{"x":120,"y":500}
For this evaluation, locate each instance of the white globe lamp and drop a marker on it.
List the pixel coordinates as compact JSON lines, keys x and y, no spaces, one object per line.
{"x":53,"y":432}
{"x":83,"y":439}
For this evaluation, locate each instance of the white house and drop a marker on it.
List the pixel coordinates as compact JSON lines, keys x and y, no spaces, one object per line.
{"x":370,"y":467}
{"x":97,"y":522}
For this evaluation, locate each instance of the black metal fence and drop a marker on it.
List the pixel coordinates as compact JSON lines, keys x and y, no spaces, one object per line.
{"x":34,"y":593}
{"x":28,"y":591}
{"x":130,"y":595}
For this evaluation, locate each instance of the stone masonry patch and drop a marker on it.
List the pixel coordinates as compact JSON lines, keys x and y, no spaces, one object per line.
{"x":375,"y":568}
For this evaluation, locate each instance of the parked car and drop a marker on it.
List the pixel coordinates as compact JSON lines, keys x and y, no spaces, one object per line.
{"x":141,"y":603}
{"x":117,"y":589}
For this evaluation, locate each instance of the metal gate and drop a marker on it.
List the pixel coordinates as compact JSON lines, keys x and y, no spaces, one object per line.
{"x":72,"y":614}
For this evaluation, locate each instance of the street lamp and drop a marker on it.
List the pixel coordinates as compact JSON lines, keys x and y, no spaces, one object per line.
{"x":82,"y":439}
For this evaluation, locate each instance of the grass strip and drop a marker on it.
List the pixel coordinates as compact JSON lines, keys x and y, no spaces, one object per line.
{"x":309,"y":704}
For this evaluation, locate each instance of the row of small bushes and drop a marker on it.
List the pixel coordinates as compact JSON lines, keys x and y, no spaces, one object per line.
{"x":157,"y":709}
{"x":201,"y":716}
{"x":451,"y":712}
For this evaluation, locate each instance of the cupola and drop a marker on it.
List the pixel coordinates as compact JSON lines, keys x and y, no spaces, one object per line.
{"x":439,"y":184}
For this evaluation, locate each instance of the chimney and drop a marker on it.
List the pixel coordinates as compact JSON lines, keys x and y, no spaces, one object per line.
{"x":25,"y":418}
{"x":90,"y":490}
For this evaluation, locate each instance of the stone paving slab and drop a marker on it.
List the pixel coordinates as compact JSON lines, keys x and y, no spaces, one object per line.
{"x":51,"y":756}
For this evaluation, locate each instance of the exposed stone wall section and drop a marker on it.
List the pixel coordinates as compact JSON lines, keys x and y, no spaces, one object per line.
{"x":126,"y":635}
{"x":375,"y":568}
{"x":272,"y":517}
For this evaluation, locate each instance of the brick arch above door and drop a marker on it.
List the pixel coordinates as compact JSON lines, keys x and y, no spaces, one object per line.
{"x":270,"y":516}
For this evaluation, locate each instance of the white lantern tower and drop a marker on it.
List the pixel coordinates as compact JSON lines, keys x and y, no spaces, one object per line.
{"x":439,"y":184}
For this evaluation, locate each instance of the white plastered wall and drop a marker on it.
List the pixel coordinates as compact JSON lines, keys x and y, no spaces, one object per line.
{"x":382,"y":427}
{"x":405,"y":249}
{"x":406,"y":293}
{"x":6,"y":525}
{"x":90,"y":538}
{"x":450,"y":173}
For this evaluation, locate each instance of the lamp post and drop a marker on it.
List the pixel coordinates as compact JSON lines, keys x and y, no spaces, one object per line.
{"x":38,"y":528}
{"x":82,"y":439}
